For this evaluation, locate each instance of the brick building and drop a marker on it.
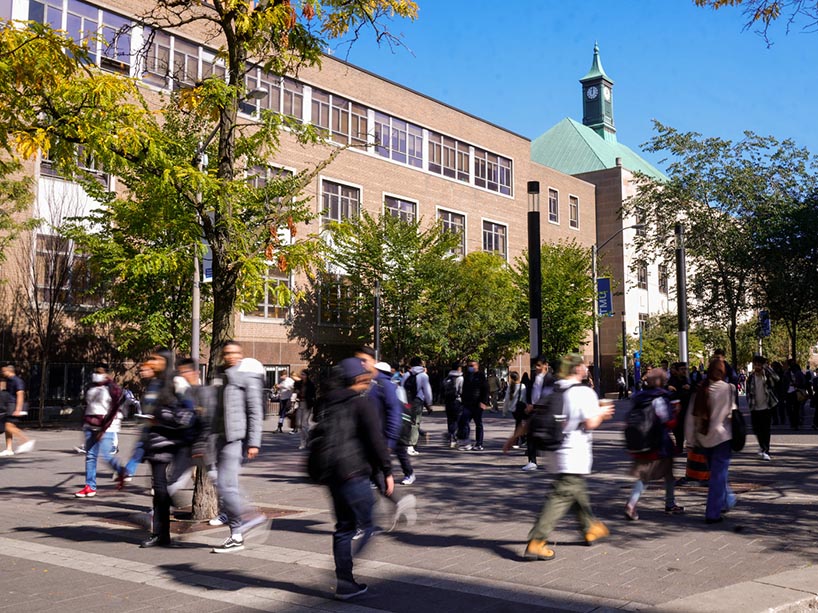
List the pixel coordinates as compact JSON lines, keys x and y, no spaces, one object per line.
{"x":420,"y":158}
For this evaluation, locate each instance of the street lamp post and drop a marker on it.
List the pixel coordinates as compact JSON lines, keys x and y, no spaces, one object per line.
{"x":377,"y":320}
{"x":595,"y":311}
{"x":625,"y":348}
{"x":534,"y":273}
{"x":681,"y":291}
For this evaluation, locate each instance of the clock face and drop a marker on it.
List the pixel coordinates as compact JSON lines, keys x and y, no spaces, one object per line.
{"x":607,"y":91}
{"x":592,"y":92}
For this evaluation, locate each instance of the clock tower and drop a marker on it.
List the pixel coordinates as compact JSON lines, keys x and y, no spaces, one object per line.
{"x":597,"y":100}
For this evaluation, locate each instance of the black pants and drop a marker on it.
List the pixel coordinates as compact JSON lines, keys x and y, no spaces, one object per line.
{"x":452,"y":417}
{"x":403,"y":458}
{"x":761,"y":421}
{"x":161,"y":500}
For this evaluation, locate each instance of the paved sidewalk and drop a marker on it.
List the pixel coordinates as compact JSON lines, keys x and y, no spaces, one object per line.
{"x":58,"y":553}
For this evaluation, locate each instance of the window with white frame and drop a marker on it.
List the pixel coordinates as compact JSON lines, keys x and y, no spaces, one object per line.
{"x":398,"y":140}
{"x":642,"y":276}
{"x":270,"y":84}
{"x":643,"y":323}
{"x":272,"y":305}
{"x":494,"y":238}
{"x":663,"y":278}
{"x":553,"y":206}
{"x":293,"y":95}
{"x":346,"y":121}
{"x":449,"y":157}
{"x":456,"y":223}
{"x":573,"y":212}
{"x":116,"y":43}
{"x":336,"y":301}
{"x":157,"y":57}
{"x":185,"y":70}
{"x":339,"y":201}
{"x":492,"y":171}
{"x":405,"y":210}
{"x":61,"y":274}
{"x":320,"y":109}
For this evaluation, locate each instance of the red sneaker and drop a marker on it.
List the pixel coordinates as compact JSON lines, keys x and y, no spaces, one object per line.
{"x":86,"y":492}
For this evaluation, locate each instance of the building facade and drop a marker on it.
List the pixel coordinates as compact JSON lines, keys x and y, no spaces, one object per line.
{"x":590,"y":151}
{"x":410,"y":155}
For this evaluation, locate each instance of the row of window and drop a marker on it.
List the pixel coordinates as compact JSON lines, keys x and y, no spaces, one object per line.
{"x":642,"y":277}
{"x":171,"y":62}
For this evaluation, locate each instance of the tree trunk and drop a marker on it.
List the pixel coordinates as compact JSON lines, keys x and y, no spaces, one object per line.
{"x":224,"y":301}
{"x":205,"y":499}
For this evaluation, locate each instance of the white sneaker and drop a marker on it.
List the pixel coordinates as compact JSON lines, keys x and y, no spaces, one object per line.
{"x":467,"y":447}
{"x":408,"y":480}
{"x":411,"y":451}
{"x":6,"y":453}
{"x":219,"y":520}
{"x":406,"y":507}
{"x":530,"y":466}
{"x":26,"y":447}
{"x":765,"y":456}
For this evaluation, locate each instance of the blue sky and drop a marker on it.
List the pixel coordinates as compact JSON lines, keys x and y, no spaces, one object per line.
{"x":517,"y":63}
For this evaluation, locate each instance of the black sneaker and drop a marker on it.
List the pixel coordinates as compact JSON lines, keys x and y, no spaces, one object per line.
{"x":230,"y":545}
{"x":349,"y":589}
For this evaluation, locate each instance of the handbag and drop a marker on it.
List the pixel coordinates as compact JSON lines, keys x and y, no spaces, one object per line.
{"x":800,"y":395}
{"x":739,"y":430}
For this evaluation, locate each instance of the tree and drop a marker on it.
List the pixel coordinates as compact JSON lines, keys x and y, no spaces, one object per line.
{"x":406,"y":263}
{"x":715,"y":187}
{"x":787,"y":263}
{"x":568,"y":295}
{"x":764,"y":13}
{"x":240,"y":227}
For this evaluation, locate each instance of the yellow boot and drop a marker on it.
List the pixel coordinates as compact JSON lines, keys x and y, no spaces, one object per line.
{"x":597,"y":530}
{"x":537,"y":549}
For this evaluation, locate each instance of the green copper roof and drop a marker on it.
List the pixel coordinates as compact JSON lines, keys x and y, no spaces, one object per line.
{"x":596,"y":70}
{"x":573,"y":148}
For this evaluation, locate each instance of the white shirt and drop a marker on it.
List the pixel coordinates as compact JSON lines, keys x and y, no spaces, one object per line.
{"x":575,"y":457}
{"x":285,"y":388}
{"x":98,"y":401}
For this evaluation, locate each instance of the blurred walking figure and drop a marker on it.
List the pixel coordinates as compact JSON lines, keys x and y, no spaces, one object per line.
{"x":475,"y":399}
{"x":574,"y":458}
{"x":305,"y":392}
{"x":516,"y":401}
{"x":708,"y":426}
{"x":762,"y":401}
{"x":452,"y":394}
{"x":101,"y":423}
{"x":236,"y":430}
{"x":13,"y":409}
{"x":172,"y":431}
{"x":355,"y":446}
{"x":285,"y":389}
{"x":652,"y":403}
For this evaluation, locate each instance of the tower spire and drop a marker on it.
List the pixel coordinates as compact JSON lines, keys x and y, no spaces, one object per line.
{"x":597,"y":99}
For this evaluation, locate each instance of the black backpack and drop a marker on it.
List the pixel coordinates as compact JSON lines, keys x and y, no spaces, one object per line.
{"x":411,"y":387}
{"x":328,"y":443}
{"x":644,"y":431}
{"x":547,"y":422}
{"x":450,"y":390}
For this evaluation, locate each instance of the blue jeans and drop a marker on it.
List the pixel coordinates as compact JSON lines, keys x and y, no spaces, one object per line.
{"x":719,"y":494}
{"x":352,"y":500}
{"x":103,"y":447}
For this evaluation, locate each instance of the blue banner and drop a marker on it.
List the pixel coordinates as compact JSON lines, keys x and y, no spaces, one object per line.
{"x":604,"y":297}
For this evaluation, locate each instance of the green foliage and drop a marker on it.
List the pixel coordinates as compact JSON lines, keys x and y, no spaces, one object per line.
{"x":717,"y":188}
{"x":568,"y":295}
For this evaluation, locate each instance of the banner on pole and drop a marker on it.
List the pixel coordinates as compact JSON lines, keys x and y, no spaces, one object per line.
{"x":604,"y":297}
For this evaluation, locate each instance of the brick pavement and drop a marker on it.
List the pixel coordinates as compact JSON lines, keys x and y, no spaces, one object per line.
{"x":463,"y":555}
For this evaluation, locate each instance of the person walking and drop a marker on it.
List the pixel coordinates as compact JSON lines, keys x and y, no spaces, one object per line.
{"x":656,"y":463}
{"x":541,"y":387}
{"x":475,"y":399}
{"x":516,"y":399}
{"x":14,"y":409}
{"x":172,"y":431}
{"x":285,"y":389}
{"x":305,"y":392}
{"x":418,"y":396}
{"x":236,"y":430}
{"x":574,"y":458}
{"x":708,"y":426}
{"x":352,"y":420}
{"x":101,"y":422}
{"x":762,"y":402}
{"x":452,"y":401}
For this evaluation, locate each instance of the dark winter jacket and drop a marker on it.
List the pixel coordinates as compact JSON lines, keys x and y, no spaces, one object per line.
{"x":174,"y":426}
{"x":354,"y":420}
{"x":475,"y":389}
{"x":384,"y":394}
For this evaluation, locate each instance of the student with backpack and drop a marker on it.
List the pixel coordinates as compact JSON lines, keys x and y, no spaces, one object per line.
{"x":452,"y":391}
{"x":581,"y":414}
{"x":346,"y":444}
{"x":648,"y":428}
